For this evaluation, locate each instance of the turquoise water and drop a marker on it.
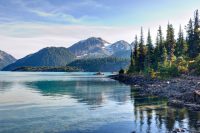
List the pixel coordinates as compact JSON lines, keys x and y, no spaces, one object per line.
{"x":83,"y":103}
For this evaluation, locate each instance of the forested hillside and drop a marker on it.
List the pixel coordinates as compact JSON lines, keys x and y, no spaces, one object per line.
{"x":51,"y":56}
{"x":101,"y":64}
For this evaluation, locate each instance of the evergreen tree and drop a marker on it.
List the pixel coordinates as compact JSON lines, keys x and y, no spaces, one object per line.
{"x":167,"y":38}
{"x":135,"y":51}
{"x":161,"y":46}
{"x":135,"y":54}
{"x":156,"y":53}
{"x":141,"y":52}
{"x":181,"y":45}
{"x":132,"y":65}
{"x":164,"y":55}
{"x":131,"y":68}
{"x":150,"y":51}
{"x":190,"y":40}
{"x":132,"y":57}
{"x":196,"y":34}
{"x":161,"y":58}
{"x":170,"y":42}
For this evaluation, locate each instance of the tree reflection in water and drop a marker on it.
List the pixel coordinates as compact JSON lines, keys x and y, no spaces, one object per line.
{"x":153,"y":114}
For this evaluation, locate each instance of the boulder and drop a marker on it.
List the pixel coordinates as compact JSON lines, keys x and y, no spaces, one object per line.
{"x":187,"y":97}
{"x":193,"y":107}
{"x":176,"y":103}
{"x":197,"y":96}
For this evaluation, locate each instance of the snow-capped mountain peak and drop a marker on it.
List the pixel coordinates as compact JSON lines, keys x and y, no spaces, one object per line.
{"x":118,"y":46}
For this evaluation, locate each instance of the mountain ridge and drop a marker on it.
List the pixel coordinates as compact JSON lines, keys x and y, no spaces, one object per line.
{"x":89,"y":47}
{"x":108,"y":64}
{"x":5,"y":59}
{"x":96,"y":47}
{"x":49,"y":56}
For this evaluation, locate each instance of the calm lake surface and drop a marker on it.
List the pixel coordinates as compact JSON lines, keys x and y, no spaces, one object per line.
{"x":83,"y":103}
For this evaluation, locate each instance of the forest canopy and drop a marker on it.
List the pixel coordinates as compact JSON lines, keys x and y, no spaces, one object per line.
{"x":169,"y":56}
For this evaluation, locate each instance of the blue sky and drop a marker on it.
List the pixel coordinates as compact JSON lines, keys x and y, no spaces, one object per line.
{"x":93,"y":12}
{"x":28,"y":25}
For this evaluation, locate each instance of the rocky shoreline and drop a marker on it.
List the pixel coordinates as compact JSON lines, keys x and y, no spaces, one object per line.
{"x":183,"y":91}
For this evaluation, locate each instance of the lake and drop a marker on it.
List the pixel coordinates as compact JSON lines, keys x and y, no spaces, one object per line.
{"x":83,"y":103}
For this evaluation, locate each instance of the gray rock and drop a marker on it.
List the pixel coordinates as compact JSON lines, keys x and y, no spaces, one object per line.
{"x":181,"y":92}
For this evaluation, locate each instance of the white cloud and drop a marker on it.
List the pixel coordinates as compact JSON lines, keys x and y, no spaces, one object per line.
{"x":41,"y":13}
{"x":21,"y":39}
{"x":58,"y":16}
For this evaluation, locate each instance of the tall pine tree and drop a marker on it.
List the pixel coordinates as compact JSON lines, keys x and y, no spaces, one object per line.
{"x":196,"y":34}
{"x":170,"y":43}
{"x":190,"y":39}
{"x":161,"y":46}
{"x":156,"y":53}
{"x":135,"y":54}
{"x":135,"y":51}
{"x":141,"y":52}
{"x":132,"y":65}
{"x":132,"y":58}
{"x":181,"y":45}
{"x":150,"y":51}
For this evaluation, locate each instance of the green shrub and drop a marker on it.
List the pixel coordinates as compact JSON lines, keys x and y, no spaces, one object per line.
{"x":173,"y":71}
{"x":153,"y":74}
{"x":131,"y":69}
{"x":194,"y":66}
{"x":182,"y":65}
{"x":121,"y":71}
{"x":168,"y":71}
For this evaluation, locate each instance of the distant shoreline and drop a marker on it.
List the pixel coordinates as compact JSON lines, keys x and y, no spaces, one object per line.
{"x":183,"y":91}
{"x":47,"y":69}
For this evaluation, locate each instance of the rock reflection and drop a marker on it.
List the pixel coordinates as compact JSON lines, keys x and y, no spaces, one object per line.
{"x":153,"y":115}
{"x":194,"y":120}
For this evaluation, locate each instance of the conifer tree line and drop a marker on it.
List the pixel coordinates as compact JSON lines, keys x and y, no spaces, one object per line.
{"x":167,"y":52}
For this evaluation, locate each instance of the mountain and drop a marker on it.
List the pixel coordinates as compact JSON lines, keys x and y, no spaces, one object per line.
{"x":91,"y":47}
{"x":5,"y":59}
{"x":122,"y":54}
{"x":50,"y":56}
{"x":100,"y":64}
{"x":118,"y":46}
{"x":98,"y":48}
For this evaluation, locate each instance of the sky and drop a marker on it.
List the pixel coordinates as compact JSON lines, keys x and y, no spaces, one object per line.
{"x":26,"y":26}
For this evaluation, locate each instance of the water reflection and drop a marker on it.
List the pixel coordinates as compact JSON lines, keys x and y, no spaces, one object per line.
{"x":154,"y":116}
{"x":91,"y":93}
{"x":5,"y":86}
{"x":71,"y":104}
